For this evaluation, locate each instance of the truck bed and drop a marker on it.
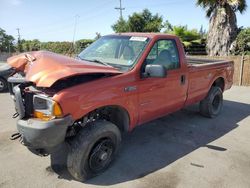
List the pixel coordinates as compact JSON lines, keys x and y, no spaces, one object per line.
{"x":202,"y":72}
{"x":192,"y":60}
{"x":201,"y":64}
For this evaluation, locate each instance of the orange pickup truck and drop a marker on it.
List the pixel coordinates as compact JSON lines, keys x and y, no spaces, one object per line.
{"x":118,"y":82}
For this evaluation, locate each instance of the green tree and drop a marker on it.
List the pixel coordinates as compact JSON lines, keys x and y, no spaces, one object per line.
{"x":168,"y":27}
{"x":193,"y":40}
{"x":222,"y":25}
{"x":242,"y":43}
{"x":6,"y":42}
{"x":57,"y":47}
{"x":143,"y":21}
{"x":82,"y":44}
{"x":97,"y":35}
{"x":120,"y":26}
{"x":31,"y":45}
{"x":187,"y":36}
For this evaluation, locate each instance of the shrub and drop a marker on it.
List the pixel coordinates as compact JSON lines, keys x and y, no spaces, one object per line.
{"x":242,"y":43}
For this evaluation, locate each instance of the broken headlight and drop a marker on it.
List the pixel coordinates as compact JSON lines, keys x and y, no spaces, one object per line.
{"x":45,"y":108}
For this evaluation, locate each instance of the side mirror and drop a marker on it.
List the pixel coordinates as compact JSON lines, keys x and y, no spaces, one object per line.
{"x":156,"y":71}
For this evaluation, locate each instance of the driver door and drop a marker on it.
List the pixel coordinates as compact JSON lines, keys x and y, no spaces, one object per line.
{"x":160,"y":96}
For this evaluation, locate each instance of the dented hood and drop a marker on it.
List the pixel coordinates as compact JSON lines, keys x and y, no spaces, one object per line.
{"x":45,"y":68}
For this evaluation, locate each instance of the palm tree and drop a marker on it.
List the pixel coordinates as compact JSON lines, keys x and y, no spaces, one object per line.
{"x":222,"y":25}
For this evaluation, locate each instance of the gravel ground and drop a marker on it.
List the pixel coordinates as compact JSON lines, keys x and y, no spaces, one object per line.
{"x":179,"y":150}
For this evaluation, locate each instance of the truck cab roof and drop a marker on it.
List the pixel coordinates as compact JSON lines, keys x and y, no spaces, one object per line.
{"x":148,"y":35}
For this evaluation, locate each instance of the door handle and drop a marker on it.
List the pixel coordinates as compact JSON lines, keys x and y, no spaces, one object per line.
{"x":183,"y":79}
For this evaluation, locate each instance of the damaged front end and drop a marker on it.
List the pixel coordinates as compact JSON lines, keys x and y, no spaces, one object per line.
{"x":41,"y":124}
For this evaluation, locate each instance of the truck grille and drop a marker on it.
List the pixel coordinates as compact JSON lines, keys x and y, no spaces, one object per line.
{"x":18,"y":101}
{"x":28,"y":104}
{"x":23,"y":100}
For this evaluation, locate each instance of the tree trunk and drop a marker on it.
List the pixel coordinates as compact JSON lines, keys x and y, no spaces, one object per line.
{"x":222,"y":31}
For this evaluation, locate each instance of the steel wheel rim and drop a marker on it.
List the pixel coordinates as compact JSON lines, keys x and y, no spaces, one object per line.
{"x":101,"y":154}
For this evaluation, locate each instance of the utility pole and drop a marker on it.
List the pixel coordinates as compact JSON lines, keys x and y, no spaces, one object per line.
{"x":19,"y":40}
{"x":73,"y":41}
{"x":18,"y":33}
{"x":120,"y":8}
{"x":76,"y":17}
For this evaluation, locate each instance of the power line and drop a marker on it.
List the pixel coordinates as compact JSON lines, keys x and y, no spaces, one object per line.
{"x":59,"y":27}
{"x":66,"y":21}
{"x":81,"y":20}
{"x":168,"y":3}
{"x":120,"y":8}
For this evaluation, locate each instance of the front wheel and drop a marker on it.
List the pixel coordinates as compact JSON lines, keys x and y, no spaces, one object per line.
{"x":93,"y":149}
{"x":3,"y":85}
{"x":212,"y":104}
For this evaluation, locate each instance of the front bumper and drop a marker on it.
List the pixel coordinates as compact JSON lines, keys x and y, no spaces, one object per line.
{"x":45,"y":135}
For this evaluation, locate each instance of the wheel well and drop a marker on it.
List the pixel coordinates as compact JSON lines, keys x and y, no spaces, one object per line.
{"x":115,"y":114}
{"x":219,"y":82}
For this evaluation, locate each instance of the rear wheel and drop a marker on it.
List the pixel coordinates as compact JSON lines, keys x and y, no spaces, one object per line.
{"x":3,"y":85}
{"x":93,"y":149}
{"x":212,"y":104}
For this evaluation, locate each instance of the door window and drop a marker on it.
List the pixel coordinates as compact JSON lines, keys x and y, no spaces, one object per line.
{"x":164,"y":52}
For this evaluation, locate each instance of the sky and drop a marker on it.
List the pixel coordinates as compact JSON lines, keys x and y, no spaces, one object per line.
{"x":54,"y":20}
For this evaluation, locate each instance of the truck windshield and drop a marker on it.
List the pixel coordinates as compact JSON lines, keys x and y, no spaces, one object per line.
{"x":118,"y":51}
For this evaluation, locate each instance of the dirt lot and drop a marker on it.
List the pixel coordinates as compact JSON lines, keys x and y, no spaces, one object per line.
{"x":180,"y":150}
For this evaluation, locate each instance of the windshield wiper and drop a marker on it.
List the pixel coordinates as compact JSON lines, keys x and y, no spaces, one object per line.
{"x":98,"y":61}
{"x":95,"y":61}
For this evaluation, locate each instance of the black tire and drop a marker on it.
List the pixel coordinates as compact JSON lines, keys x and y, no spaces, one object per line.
{"x":99,"y":139}
{"x":211,"y":106}
{"x":3,"y":85}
